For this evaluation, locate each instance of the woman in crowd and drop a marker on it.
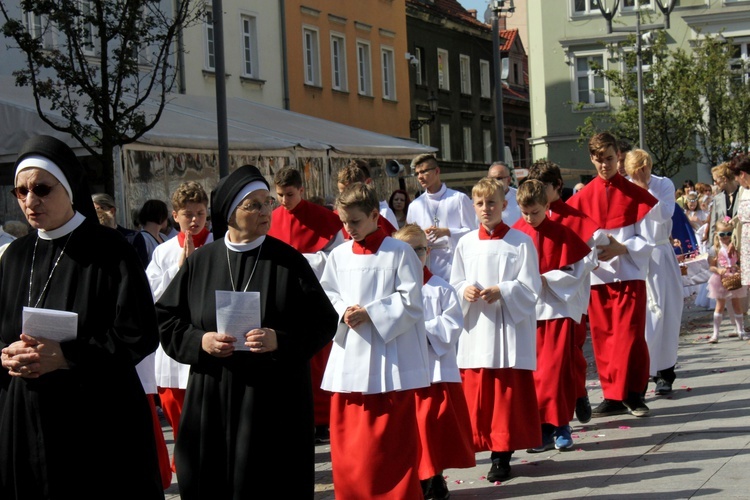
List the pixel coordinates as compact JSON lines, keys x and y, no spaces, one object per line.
{"x":248,"y":415}
{"x":74,"y":420}
{"x":399,"y":203}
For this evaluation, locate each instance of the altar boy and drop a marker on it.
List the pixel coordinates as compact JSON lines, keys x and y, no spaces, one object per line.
{"x":496,"y":275}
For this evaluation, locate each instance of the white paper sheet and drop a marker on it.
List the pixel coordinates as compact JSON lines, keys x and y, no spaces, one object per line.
{"x":236,"y":314}
{"x":60,"y":326}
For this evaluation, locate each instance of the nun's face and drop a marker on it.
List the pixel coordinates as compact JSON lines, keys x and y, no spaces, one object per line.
{"x":47,"y":212}
{"x":252,"y":217}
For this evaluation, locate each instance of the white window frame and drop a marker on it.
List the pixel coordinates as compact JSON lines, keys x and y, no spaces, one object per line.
{"x":445,"y":141}
{"x":588,"y":10}
{"x":423,"y":135}
{"x":465,"y":71}
{"x":209,"y":61}
{"x":88,"y":42}
{"x":420,"y":62}
{"x":484,"y":79}
{"x":591,"y":80}
{"x":311,"y":55}
{"x":364,"y":68}
{"x":467,"y":136}
{"x":648,"y":4}
{"x":339,"y":77}
{"x":744,"y":60}
{"x":388,"y":63}
{"x":443,"y":67}
{"x":487,"y":145}
{"x":250,"y":54}
{"x":39,"y":26}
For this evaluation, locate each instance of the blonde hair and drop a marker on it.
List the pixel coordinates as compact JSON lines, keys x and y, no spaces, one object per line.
{"x":728,"y":226}
{"x":531,"y":192}
{"x":636,"y":160}
{"x":350,"y":174}
{"x":409,"y":231}
{"x":359,"y":196}
{"x":488,"y":187}
{"x":723,"y":170}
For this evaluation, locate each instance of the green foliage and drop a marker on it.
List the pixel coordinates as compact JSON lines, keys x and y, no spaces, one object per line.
{"x":96,"y":62}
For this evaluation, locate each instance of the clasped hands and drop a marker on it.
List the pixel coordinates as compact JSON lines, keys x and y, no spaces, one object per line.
{"x":32,"y":358}
{"x":258,"y":340}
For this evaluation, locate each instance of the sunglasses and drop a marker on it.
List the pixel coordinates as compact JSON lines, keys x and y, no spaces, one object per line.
{"x":724,"y":234}
{"x":39,"y":190}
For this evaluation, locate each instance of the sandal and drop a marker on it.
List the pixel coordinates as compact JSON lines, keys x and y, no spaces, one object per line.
{"x":713,"y":340}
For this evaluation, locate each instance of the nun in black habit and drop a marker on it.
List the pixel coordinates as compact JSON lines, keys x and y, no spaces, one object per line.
{"x":247,"y":424}
{"x":74,"y":420}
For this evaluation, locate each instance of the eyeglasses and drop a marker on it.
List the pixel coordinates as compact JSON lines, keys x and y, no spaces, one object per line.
{"x":256,"y":207}
{"x":501,"y":177}
{"x":420,"y":250}
{"x":724,"y":234}
{"x":422,"y":172}
{"x":39,"y":190}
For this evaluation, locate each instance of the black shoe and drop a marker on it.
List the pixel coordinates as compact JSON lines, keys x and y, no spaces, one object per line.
{"x":662,"y":387}
{"x":322,"y":434}
{"x":609,"y":407}
{"x":636,"y":406}
{"x":583,"y":410}
{"x":427,"y":488}
{"x":439,"y":488}
{"x":498,"y":472}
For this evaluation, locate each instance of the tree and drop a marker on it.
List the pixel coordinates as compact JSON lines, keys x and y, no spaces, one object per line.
{"x":671,"y":104}
{"x":97,"y":62}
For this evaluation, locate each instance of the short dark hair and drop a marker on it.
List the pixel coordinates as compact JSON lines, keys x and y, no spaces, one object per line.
{"x":624,"y":146}
{"x":600,"y":142}
{"x":153,"y":211}
{"x":548,"y":172}
{"x":740,"y":163}
{"x":288,"y":176}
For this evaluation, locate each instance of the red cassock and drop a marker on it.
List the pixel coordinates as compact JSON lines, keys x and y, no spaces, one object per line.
{"x":309,"y":228}
{"x":617,"y":311}
{"x":555,"y":376}
{"x":585,"y":227}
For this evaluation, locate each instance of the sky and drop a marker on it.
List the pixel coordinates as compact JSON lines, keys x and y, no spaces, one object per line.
{"x":479,"y":5}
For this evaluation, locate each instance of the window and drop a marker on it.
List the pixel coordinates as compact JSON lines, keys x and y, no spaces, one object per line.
{"x":633,"y":4}
{"x":588,"y":85}
{"x":389,"y":74}
{"x":338,"y":62}
{"x":311,"y":56}
{"x":423,"y":136}
{"x":364,"y":69}
{"x":484,"y":77}
{"x":419,"y":70}
{"x":88,"y":38}
{"x":468,"y":158}
{"x":465,"y":70}
{"x":39,"y":26}
{"x":249,"y":46}
{"x":516,"y":79}
{"x":445,"y":141}
{"x":630,"y":65}
{"x":443,"y":74}
{"x":740,"y":62}
{"x":585,"y":7}
{"x":487,"y":145}
{"x":208,"y":25}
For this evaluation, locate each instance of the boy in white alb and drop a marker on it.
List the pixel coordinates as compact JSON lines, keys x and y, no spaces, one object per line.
{"x":441,"y":407}
{"x":445,"y":215}
{"x":378,"y":358}
{"x":496,"y":275}
{"x":190,"y":210}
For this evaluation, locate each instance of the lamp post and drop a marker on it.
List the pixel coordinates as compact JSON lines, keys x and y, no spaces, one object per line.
{"x":494,"y":8}
{"x":432,"y":103}
{"x":639,"y":28}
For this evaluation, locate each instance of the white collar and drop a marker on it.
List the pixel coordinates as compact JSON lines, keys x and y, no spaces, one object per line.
{"x":243,"y":247}
{"x":438,"y":194}
{"x":66,"y":228}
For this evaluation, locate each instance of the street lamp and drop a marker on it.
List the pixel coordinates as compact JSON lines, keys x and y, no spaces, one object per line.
{"x":494,"y":8}
{"x":666,"y":10}
{"x":432,"y":103}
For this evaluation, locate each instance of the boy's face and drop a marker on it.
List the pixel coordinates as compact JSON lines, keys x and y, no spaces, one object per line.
{"x":605,"y":163}
{"x":420,"y":246}
{"x":534,"y":214}
{"x":358,"y":223}
{"x":289,"y":196}
{"x":489,"y":210}
{"x":191,"y":217}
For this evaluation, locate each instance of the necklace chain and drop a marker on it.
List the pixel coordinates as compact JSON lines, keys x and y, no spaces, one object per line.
{"x":49,"y":278}
{"x":231,"y":278}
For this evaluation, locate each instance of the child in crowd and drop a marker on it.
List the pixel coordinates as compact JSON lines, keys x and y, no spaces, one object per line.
{"x":723,"y":263}
{"x":441,"y":407}
{"x":695,"y":215}
{"x":379,"y":356}
{"x":496,"y":275}
{"x":190,"y":210}
{"x":563,"y":263}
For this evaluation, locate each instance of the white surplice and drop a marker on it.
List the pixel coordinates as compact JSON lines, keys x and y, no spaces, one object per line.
{"x":444,"y":322}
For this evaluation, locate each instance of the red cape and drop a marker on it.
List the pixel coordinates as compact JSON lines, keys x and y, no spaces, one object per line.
{"x":558,"y":246}
{"x":614,"y":203}
{"x":581,"y":224}
{"x":308,"y":227}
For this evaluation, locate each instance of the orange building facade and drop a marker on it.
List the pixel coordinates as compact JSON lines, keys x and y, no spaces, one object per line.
{"x":346,"y":62}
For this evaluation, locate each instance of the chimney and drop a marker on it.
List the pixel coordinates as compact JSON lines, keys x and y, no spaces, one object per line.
{"x":472,"y":12}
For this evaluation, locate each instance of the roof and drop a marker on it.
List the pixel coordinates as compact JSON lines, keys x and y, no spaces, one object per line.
{"x":450,"y":9}
{"x":507,"y":38}
{"x":189,"y":122}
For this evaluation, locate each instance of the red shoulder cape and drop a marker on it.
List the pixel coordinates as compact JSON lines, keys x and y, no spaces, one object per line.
{"x":614,"y":203}
{"x":308,"y":227}
{"x":558,"y":246}
{"x":581,"y":224}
